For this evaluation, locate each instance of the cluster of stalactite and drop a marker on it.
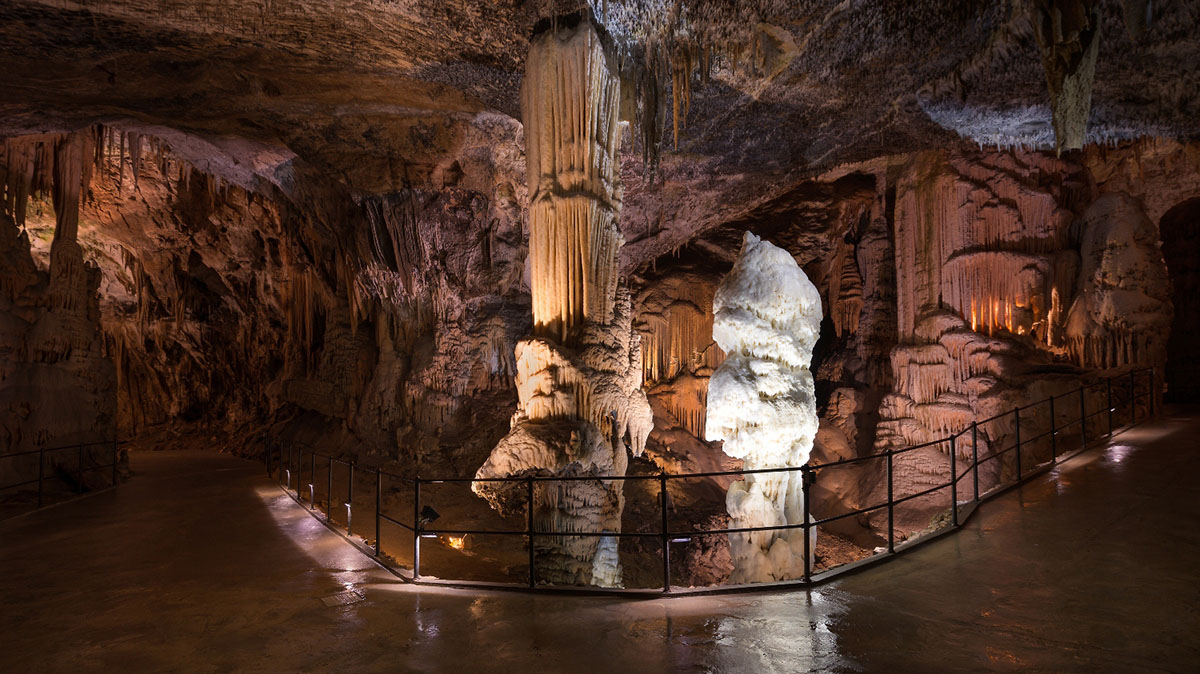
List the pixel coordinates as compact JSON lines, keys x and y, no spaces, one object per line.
{"x":1114,"y":347}
{"x":570,"y":99}
{"x":846,"y":293}
{"x":665,"y":51}
{"x":993,"y":252}
{"x":679,"y":339}
{"x":1001,"y":290}
{"x":679,"y":353}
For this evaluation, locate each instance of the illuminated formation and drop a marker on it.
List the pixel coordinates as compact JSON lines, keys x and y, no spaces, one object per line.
{"x":990,"y":288}
{"x":761,"y":402}
{"x":984,"y":274}
{"x":569,"y":102}
{"x":678,"y":352}
{"x":579,"y":377}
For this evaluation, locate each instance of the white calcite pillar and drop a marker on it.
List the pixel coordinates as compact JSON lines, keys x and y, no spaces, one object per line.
{"x":761,"y":403}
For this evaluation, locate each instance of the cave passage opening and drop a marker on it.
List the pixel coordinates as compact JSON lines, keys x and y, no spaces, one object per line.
{"x":1180,"y":231}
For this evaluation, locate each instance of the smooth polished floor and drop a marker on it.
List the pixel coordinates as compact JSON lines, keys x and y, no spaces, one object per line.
{"x":200,"y":564}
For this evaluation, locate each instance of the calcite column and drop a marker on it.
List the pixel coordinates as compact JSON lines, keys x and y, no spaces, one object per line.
{"x":761,"y":402}
{"x":579,"y":376}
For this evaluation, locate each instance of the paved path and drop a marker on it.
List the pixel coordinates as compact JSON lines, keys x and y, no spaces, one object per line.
{"x":200,"y":564}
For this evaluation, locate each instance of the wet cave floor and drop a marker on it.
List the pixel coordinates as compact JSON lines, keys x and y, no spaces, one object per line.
{"x":202,"y":564}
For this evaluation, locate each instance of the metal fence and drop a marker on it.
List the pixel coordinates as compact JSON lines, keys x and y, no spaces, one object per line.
{"x":80,"y":460}
{"x":1038,"y":442}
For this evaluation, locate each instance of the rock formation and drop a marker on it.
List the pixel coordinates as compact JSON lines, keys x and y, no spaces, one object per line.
{"x":1068,"y":35}
{"x":579,"y":377}
{"x":762,"y":404}
{"x":58,"y":384}
{"x":1122,"y":312}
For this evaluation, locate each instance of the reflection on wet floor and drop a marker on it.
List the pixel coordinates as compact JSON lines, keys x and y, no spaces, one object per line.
{"x":201,"y":564}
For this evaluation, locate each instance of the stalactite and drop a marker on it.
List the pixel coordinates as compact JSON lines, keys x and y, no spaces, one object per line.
{"x":846,"y":291}
{"x":1068,"y":35}
{"x":570,"y":101}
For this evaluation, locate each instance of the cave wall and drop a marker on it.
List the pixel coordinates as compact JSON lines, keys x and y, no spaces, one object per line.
{"x":949,"y":278}
{"x":384,"y":323}
{"x":365,"y":324}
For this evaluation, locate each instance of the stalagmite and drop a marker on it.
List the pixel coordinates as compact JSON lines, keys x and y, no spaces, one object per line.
{"x":761,"y":402}
{"x":579,"y":376}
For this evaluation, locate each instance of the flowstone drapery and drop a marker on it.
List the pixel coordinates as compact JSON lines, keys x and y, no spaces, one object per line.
{"x":761,"y":402}
{"x":579,"y":376}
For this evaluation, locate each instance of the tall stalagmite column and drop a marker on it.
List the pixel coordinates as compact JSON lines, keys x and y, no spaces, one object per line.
{"x":579,"y":376}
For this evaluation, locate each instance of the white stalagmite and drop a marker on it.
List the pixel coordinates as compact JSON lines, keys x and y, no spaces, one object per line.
{"x":761,"y":402}
{"x":579,"y":376}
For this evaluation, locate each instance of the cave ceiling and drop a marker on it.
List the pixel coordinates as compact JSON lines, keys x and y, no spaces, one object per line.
{"x":377,"y":95}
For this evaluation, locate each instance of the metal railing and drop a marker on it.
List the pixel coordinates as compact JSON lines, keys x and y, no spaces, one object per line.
{"x":1044,"y":447}
{"x":78,"y":454}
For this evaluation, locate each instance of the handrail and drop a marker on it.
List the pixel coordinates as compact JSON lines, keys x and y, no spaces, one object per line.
{"x":62,"y":447}
{"x":79,"y":471}
{"x":810,"y":473}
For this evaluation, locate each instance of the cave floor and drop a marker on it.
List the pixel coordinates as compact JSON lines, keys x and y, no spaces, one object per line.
{"x":200,"y":563}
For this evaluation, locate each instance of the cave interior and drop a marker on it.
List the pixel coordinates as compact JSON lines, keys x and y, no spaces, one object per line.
{"x":461,"y":239}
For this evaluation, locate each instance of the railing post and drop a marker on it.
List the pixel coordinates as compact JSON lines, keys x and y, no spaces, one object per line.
{"x":417,"y":527}
{"x":1053,"y":434}
{"x":1082,"y":418}
{"x":1153,"y":393}
{"x":1132,"y":397}
{"x":41,"y":472}
{"x":1108,"y":381}
{"x":529,"y":529}
{"x":79,"y":469}
{"x":1017,"y":417}
{"x":953,"y":480}
{"x":378,"y":509}
{"x":891,"y":506}
{"x":666,"y":541}
{"x":974,"y":461}
{"x":350,"y":498}
{"x":312,"y":482}
{"x":808,"y":565}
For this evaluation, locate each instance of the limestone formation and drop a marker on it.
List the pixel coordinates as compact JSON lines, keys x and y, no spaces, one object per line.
{"x":1068,"y":34}
{"x":1122,"y":312}
{"x":762,"y":404}
{"x":579,"y":377}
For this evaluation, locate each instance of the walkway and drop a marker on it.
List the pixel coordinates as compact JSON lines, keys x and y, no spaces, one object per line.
{"x":200,"y":564}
